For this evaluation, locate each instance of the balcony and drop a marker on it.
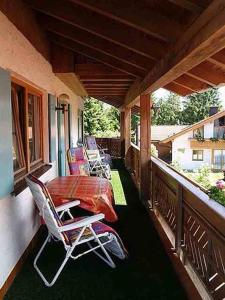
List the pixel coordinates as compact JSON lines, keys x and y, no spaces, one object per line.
{"x":192,"y":224}
{"x":207,"y":144}
{"x":147,"y":274}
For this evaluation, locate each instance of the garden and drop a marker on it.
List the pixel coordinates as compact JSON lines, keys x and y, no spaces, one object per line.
{"x":213,"y":183}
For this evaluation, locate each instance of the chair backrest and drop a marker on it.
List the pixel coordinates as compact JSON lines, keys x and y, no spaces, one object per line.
{"x":91,"y":143}
{"x":46,"y":207}
{"x":78,"y":162}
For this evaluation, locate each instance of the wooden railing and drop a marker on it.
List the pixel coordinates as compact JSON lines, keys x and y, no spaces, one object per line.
{"x":194,"y":224}
{"x":112,"y":144}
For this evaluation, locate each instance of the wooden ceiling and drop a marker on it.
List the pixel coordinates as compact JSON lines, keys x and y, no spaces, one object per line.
{"x":120,"y":49}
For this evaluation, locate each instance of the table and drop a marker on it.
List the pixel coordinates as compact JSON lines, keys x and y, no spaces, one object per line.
{"x":95,"y":194}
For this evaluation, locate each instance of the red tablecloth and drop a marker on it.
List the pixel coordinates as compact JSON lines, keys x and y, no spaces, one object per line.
{"x":95,"y":193}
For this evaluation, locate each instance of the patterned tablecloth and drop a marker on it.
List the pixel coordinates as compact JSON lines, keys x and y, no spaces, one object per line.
{"x":95,"y":194}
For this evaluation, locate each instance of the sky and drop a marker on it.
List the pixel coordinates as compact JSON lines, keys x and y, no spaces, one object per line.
{"x":162,"y":93}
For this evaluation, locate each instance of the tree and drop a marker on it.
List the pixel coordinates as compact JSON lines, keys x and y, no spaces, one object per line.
{"x":169,"y":110}
{"x":95,"y":120}
{"x":99,"y":119}
{"x":113,"y":116}
{"x":196,"y":106}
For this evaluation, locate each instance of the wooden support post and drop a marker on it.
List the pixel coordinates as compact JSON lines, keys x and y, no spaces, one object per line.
{"x":122,"y":133}
{"x":145,"y":143}
{"x":127,"y":135}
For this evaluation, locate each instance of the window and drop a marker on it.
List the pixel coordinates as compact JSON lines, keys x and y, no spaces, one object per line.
{"x":197,"y":155}
{"x":26,"y":129}
{"x":199,"y":132}
{"x":218,"y":159}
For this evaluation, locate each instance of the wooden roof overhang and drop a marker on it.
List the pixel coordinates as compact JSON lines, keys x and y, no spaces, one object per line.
{"x":121,"y":49}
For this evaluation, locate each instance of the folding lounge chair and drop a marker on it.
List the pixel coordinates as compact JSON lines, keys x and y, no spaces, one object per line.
{"x":73,"y":232}
{"x":86,"y":163}
{"x":92,"y":145}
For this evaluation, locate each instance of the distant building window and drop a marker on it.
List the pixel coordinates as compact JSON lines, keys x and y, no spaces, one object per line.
{"x":181,"y":150}
{"x":199,"y":132}
{"x":197,"y":155}
{"x":218,"y":159}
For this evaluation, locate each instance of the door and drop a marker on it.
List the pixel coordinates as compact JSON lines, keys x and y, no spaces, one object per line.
{"x":63,"y":113}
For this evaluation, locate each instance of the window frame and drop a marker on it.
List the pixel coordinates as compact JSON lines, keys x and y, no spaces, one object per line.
{"x":198,"y":155}
{"x":197,"y":130}
{"x":29,"y":166}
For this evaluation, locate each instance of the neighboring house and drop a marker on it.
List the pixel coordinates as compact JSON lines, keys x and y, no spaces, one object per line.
{"x":200,"y":143}
{"x":160,"y":133}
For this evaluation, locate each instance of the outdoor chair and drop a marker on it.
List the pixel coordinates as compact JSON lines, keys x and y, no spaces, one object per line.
{"x":78,"y":161}
{"x":91,"y":144}
{"x":83,"y":162}
{"x":73,"y":232}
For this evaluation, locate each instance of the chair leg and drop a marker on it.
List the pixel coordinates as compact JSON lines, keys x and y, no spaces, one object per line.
{"x":108,"y":259}
{"x":47,"y":283}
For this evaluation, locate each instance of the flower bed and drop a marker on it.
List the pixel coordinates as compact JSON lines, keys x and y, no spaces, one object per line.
{"x":217,"y":192}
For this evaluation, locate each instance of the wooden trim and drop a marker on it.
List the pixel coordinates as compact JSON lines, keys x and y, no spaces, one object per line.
{"x":207,"y":144}
{"x":20,"y":263}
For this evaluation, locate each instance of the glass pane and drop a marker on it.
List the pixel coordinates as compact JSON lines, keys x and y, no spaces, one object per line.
{"x":217,"y":159}
{"x":34,"y":134}
{"x":15,"y":150}
{"x":17,"y":97}
{"x":200,"y":155}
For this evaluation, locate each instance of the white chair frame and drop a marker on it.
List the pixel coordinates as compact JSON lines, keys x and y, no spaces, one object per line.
{"x":96,"y":164}
{"x":55,"y":232}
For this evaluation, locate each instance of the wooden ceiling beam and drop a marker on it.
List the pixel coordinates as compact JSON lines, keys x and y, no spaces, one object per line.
{"x":137,"y":16}
{"x":102,"y":26}
{"x":107,"y":77}
{"x":218,"y":59}
{"x":178,"y":89}
{"x":95,"y":42}
{"x":192,"y":83}
{"x":100,"y":57}
{"x":208,"y":72}
{"x":104,"y":84}
{"x":204,"y":38}
{"x":189,"y":5}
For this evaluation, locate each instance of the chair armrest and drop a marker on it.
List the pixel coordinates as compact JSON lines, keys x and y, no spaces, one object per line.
{"x":82,"y":223}
{"x":67,"y":205}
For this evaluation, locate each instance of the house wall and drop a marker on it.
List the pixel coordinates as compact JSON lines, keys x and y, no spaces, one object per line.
{"x":18,"y":216}
{"x":185,"y":158}
{"x":208,"y":130}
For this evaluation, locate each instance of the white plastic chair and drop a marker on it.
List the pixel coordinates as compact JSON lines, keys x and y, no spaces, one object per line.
{"x":97,"y":165}
{"x":71,"y":234}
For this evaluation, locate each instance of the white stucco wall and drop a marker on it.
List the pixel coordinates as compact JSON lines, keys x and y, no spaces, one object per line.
{"x":18,"y":217}
{"x":208,"y":130}
{"x":185,"y":159}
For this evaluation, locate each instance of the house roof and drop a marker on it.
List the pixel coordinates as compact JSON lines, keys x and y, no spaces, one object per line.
{"x":195,"y":126}
{"x":161,"y":132}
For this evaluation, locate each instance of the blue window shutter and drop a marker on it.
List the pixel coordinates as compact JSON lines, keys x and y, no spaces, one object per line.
{"x":6,"y":157}
{"x":52,"y":127}
{"x":70,"y":118}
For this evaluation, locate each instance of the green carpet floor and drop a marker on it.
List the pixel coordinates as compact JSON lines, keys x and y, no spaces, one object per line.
{"x":146,"y":274}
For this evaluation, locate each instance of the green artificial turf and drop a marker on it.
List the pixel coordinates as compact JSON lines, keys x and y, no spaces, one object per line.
{"x":146,"y":274}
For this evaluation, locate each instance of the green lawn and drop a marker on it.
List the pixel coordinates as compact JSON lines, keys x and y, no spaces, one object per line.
{"x":118,"y":188}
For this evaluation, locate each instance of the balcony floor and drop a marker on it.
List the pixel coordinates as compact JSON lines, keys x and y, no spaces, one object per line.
{"x":147,"y":274}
